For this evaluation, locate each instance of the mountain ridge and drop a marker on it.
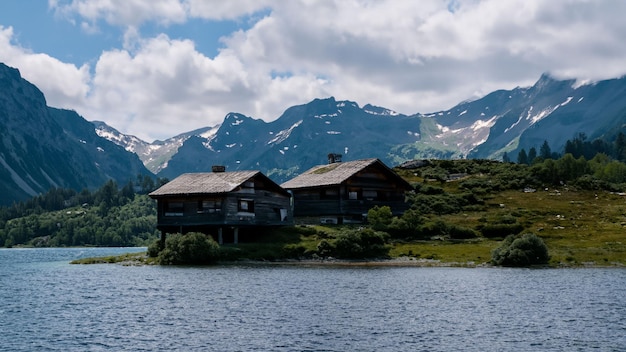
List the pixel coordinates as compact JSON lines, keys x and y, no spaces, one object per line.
{"x":46,"y":147}
{"x":43,"y":147}
{"x":503,"y":121}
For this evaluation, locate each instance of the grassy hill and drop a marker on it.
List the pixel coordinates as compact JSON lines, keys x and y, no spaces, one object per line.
{"x":461,"y":211}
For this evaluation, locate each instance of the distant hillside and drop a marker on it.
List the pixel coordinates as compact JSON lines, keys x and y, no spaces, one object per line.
{"x":43,"y":147}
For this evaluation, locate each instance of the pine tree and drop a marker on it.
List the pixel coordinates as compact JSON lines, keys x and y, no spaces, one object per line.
{"x":545,"y":152}
{"x":532,"y":154}
{"x":522,"y":157}
{"x":505,"y":158}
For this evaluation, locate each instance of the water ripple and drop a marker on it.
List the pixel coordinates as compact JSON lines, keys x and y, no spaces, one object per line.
{"x":50,"y":305}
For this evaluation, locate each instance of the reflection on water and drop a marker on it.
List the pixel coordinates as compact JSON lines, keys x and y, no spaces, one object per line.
{"x":48,"y":304}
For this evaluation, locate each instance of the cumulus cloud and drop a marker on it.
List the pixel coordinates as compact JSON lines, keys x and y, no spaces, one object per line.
{"x":122,"y":12}
{"x":405,"y":55}
{"x":64,"y":85}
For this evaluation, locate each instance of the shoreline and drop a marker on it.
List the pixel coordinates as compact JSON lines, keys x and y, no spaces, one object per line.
{"x":141,"y":258}
{"x":404,"y":262}
{"x":329,"y":262}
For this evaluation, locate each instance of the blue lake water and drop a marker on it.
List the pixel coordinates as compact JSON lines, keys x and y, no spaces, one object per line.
{"x":46,"y":304}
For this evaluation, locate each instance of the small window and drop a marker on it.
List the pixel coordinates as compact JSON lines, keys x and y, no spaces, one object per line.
{"x":174,"y":209}
{"x":370,"y":195}
{"x":246,"y":205}
{"x":355,"y":193}
{"x":210,"y":206}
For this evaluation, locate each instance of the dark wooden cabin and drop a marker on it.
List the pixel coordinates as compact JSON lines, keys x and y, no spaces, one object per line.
{"x":216,"y":202}
{"x":341,"y":192}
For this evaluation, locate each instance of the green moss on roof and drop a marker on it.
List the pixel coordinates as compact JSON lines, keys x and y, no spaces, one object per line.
{"x":325,"y":169}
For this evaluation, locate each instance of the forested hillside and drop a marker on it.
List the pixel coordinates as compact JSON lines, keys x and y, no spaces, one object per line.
{"x":444,"y":189}
{"x":109,"y":216}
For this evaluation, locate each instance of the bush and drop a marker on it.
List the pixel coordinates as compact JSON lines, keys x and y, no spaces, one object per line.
{"x":325,"y":248}
{"x":193,"y":248}
{"x":406,"y":226}
{"x":521,"y":251}
{"x":379,"y":217}
{"x":154,"y":248}
{"x":461,"y":233}
{"x":360,"y":244}
{"x":500,"y":229}
{"x":293,"y":250}
{"x":435,"y":228}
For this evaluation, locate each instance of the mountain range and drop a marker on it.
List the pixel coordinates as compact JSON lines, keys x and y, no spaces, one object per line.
{"x":44,"y":147}
{"x":503,"y":121}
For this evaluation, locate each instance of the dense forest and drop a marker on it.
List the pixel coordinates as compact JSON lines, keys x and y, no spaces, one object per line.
{"x":109,"y":216}
{"x":126,"y":216}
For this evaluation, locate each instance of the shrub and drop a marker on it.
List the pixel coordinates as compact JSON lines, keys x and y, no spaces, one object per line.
{"x":154,"y":248}
{"x":193,"y":248}
{"x":293,"y":250}
{"x":406,"y":226}
{"x":325,"y":248}
{"x":359,"y":244}
{"x":500,"y":229}
{"x":435,"y":228}
{"x":379,"y":217}
{"x":521,"y":251}
{"x":461,"y":233}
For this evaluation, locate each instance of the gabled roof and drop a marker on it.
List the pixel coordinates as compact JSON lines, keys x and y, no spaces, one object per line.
{"x":337,"y":173}
{"x":211,"y":183}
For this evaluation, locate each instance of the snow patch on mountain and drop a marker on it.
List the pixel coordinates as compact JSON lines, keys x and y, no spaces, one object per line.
{"x":566,"y":101}
{"x":284,"y":134}
{"x":536,"y":118}
{"x":210,"y":134}
{"x":382,"y":112}
{"x":327,"y":115}
{"x":480,"y":124}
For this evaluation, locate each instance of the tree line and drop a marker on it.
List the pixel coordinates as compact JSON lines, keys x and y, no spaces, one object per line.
{"x":579,"y":146}
{"x":109,"y":216}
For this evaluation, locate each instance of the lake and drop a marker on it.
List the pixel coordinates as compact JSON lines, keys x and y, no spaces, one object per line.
{"x":49,"y":305}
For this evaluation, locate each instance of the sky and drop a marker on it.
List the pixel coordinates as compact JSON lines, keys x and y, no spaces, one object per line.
{"x":157,"y":68}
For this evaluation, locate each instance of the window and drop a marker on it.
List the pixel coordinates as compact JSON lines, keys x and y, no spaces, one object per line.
{"x":329,"y":193}
{"x":174,"y":209}
{"x":370,"y":195}
{"x":355,"y":193}
{"x":246,"y":206}
{"x":209,"y":206}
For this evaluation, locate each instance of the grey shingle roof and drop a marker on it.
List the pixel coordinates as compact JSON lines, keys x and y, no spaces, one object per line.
{"x":330,"y":174}
{"x":205,"y":183}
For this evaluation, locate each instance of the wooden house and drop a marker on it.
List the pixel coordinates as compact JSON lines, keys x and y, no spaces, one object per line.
{"x":216,"y":202}
{"x":341,"y":192}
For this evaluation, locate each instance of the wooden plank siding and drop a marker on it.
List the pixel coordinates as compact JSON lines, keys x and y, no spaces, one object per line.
{"x":266,"y":210}
{"x":348,"y":190}
{"x":206,"y":202}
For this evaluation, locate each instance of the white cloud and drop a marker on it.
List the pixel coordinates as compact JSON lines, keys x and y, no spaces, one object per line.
{"x":409,"y":56}
{"x":221,"y":10}
{"x":164,"y":86}
{"x":123,"y":12}
{"x":64,"y":85}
